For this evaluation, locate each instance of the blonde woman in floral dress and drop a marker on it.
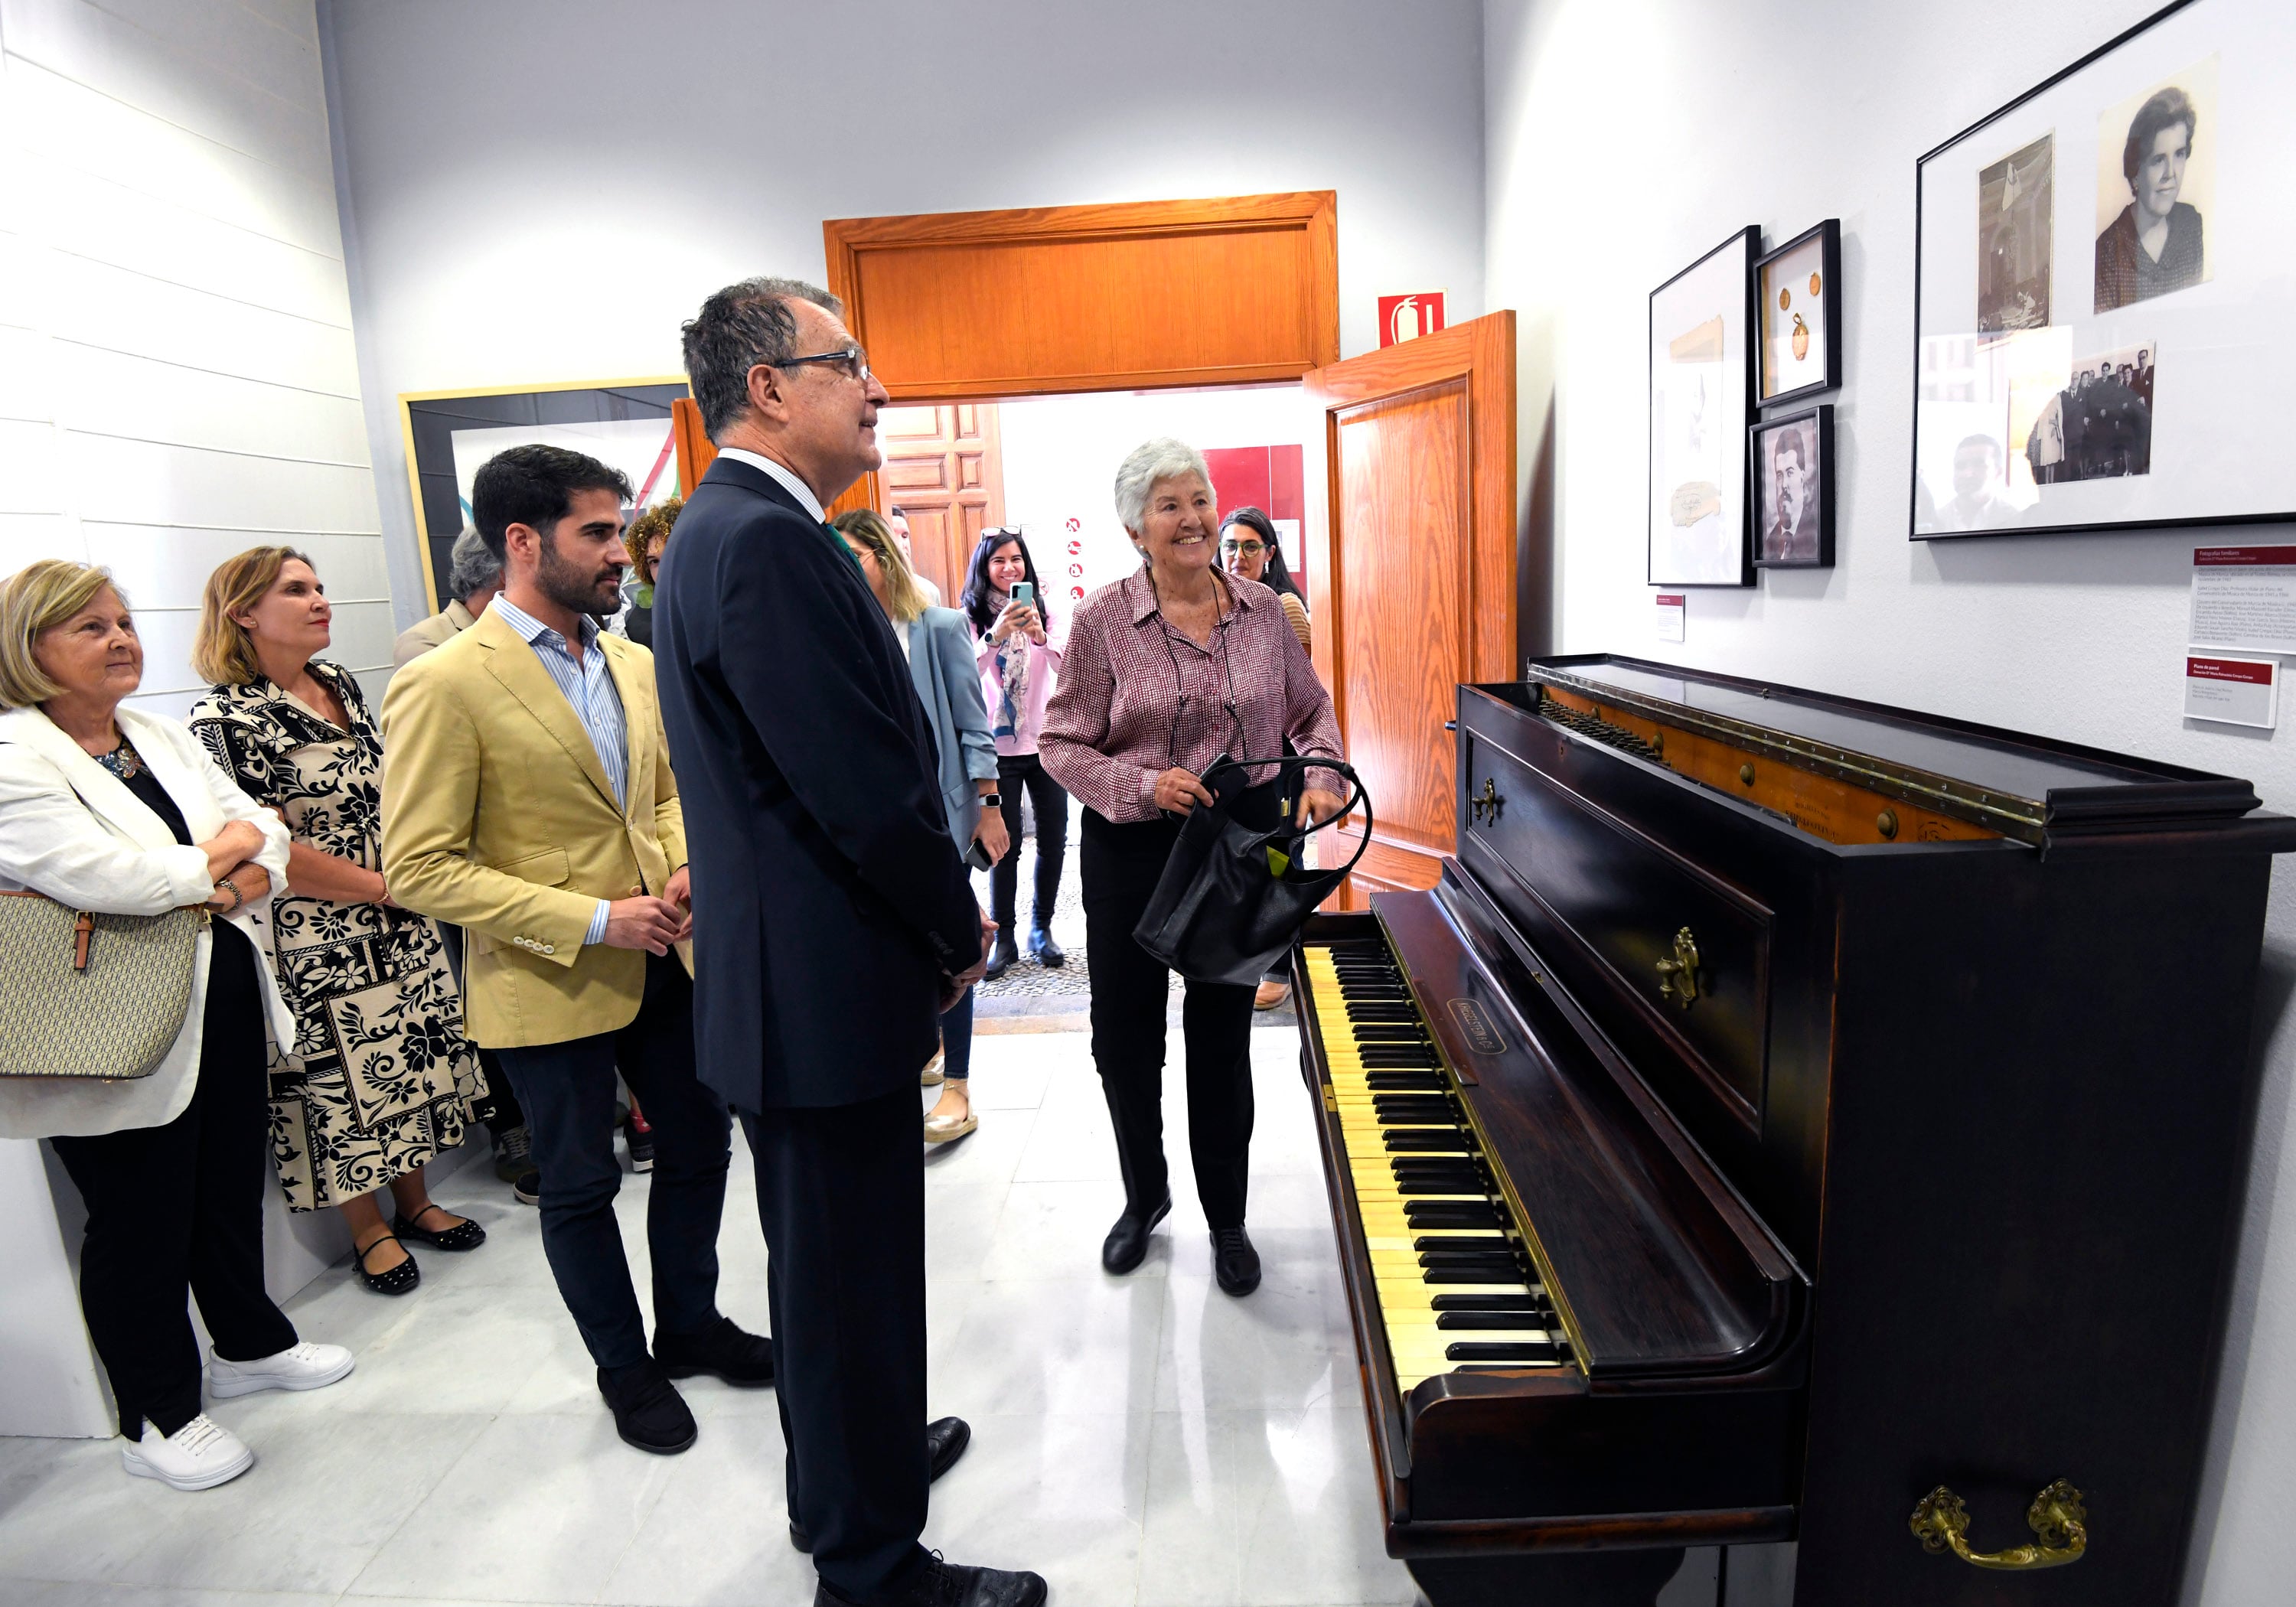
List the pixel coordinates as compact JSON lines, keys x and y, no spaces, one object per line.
{"x":386,"y":1080}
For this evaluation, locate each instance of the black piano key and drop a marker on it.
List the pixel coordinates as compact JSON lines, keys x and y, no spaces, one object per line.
{"x":1450,"y":1213}
{"x":1472,"y":1275}
{"x":1390,"y":1032}
{"x":1430,"y":1141}
{"x":1406,"y":1110}
{"x":1487,"y":1350}
{"x":1486,"y":1319}
{"x":1498,"y":1260}
{"x":1454,"y":1241}
{"x":1402,"y":1082}
{"x":1489,"y":1302}
{"x":1469,"y":1177}
{"x":1415,"y":1185}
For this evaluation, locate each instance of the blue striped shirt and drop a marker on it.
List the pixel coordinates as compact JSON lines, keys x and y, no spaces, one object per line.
{"x":589,"y":687}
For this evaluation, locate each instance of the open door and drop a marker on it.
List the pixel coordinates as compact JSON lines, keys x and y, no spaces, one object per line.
{"x":1412,"y":573}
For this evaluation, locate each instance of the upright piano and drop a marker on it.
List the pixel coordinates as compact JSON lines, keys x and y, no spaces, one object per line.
{"x":1793,"y":1118}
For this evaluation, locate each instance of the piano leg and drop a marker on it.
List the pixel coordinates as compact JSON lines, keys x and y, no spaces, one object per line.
{"x":1574,"y":1579}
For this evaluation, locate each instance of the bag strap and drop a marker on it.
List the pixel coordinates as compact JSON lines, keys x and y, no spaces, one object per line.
{"x":1361,"y":796}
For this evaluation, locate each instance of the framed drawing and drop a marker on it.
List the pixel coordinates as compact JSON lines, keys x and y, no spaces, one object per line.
{"x":2103,"y":327}
{"x":1800,"y":349}
{"x":1701,"y":393}
{"x":1793,"y":490}
{"x":449,"y":433}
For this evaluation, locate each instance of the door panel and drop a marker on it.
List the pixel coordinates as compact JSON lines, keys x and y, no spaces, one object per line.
{"x":1414,"y":570}
{"x":943,"y":467}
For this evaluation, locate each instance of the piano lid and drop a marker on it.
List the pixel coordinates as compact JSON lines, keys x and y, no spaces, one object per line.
{"x":2033,"y":789}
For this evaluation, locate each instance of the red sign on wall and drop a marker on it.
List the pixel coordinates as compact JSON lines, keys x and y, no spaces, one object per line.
{"x":1407,"y":317}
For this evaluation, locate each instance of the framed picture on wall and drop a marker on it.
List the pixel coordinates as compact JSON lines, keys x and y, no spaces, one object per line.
{"x":1793,"y":490}
{"x":2104,"y":334}
{"x":1795,"y":287}
{"x":449,"y":433}
{"x":1701,"y":393}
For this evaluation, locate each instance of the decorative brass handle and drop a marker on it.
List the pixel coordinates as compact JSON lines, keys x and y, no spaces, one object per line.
{"x":1486,"y":808}
{"x":2057,"y":1518}
{"x":1678,"y":977}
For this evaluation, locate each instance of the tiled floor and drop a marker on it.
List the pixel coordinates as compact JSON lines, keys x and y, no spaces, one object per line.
{"x":1137,"y":1440}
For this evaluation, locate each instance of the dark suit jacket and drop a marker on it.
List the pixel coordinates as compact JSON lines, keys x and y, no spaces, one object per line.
{"x":828,"y":897}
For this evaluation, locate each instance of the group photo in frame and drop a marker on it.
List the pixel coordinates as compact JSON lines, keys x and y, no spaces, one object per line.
{"x":1702,"y":397}
{"x":2102,"y":329}
{"x":1795,"y":288}
{"x":1793,"y":490}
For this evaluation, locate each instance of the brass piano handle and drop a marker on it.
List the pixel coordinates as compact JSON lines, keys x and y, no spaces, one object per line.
{"x":1486,"y":808}
{"x":2057,"y":1518}
{"x":1678,"y":977}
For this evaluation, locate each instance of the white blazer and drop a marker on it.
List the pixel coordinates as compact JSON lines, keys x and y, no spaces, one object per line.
{"x":70,"y":829}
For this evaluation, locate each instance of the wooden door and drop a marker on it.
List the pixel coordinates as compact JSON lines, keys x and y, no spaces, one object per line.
{"x":943,"y":468}
{"x":1412,"y":580}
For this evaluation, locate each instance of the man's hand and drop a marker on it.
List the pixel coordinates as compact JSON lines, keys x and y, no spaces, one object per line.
{"x":952,"y":987}
{"x":680,"y":890}
{"x":990,"y":832}
{"x":646,"y":922}
{"x":1316,"y":804}
{"x":1178,"y":792}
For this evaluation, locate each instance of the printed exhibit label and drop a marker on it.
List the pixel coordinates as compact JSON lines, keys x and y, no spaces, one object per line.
{"x":2244,"y":597}
{"x":1672,"y":606}
{"x":2238,"y":692}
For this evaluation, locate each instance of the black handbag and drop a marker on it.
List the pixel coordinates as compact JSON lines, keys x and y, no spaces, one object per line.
{"x":1231,"y":899}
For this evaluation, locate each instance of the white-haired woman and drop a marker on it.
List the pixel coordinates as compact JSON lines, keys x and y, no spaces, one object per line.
{"x":114,"y":810}
{"x":1166,"y":670}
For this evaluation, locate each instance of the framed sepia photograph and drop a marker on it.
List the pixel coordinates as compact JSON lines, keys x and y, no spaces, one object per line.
{"x":1701,"y":395}
{"x":1794,"y":287}
{"x":2103,"y":327}
{"x":1793,"y":490}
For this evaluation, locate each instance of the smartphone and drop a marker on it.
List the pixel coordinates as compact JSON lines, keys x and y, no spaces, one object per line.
{"x":977,"y":856}
{"x":1024,"y":594}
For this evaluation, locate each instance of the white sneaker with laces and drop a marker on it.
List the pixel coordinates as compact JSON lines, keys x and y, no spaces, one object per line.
{"x":304,"y":1366}
{"x":199,"y":1456}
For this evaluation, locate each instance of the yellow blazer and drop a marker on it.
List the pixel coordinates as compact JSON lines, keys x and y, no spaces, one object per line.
{"x":498,"y":816}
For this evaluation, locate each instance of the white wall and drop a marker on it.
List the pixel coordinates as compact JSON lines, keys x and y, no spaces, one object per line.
{"x":544,"y":189}
{"x":1627,"y":136}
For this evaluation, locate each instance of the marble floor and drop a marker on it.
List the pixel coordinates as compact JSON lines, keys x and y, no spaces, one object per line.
{"x":1143,"y":1440}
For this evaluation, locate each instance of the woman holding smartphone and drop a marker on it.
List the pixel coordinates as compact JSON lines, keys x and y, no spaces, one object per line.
{"x":1019,"y":659}
{"x":941,"y":665}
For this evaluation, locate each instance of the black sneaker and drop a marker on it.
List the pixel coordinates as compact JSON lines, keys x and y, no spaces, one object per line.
{"x":528,"y":1188}
{"x":739,"y":1358}
{"x":941,"y":1584}
{"x":649,"y":1413}
{"x":514,"y":1154}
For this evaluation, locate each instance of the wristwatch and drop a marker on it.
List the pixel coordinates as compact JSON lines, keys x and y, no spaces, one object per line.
{"x":237,"y":898}
{"x":990,"y":800}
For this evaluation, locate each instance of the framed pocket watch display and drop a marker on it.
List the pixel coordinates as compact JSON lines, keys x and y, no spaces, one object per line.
{"x":1795,"y":288}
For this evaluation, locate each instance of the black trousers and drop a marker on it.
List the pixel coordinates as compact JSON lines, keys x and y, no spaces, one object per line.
{"x":567,"y":1092}
{"x":841,"y":1198}
{"x":181,"y":1206}
{"x":1130,"y":988}
{"x":1014,"y":772}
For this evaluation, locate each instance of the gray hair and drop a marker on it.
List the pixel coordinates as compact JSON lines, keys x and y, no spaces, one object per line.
{"x":471,"y":566}
{"x":1162,"y":458}
{"x":741,"y":327}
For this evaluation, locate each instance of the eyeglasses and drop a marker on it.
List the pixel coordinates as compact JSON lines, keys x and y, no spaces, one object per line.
{"x":852,"y":359}
{"x":1250,"y":549}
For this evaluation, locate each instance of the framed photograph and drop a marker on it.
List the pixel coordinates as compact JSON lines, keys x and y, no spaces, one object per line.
{"x":1794,"y":286}
{"x":1702,"y":394}
{"x":1793,"y":490}
{"x":2103,"y":327}
{"x":624,"y":423}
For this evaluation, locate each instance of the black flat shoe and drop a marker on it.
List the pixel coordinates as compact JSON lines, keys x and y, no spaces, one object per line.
{"x":944,"y":1441}
{"x":743,"y":1359}
{"x":953,"y":1584}
{"x":1127,"y":1244}
{"x":463,"y":1235}
{"x":1234,"y":1263}
{"x":400,"y":1279}
{"x":1047,"y":953}
{"x":1002,"y":958}
{"x":648,"y":1411}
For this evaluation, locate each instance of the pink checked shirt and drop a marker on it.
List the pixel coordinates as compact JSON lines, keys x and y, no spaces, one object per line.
{"x":1119,"y":719}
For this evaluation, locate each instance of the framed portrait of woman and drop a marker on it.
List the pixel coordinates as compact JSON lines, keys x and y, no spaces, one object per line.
{"x":2103,"y":330}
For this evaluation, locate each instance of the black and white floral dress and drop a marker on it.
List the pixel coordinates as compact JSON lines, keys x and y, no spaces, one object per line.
{"x":382,"y":1078}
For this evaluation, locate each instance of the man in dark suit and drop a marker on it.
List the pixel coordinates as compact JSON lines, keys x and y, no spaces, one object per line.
{"x":832,"y":918}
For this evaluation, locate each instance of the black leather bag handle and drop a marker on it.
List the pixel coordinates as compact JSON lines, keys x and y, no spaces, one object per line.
{"x":1225,"y":768}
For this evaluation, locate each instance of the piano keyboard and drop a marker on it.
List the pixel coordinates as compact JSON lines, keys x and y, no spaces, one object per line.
{"x":1456,"y":1289}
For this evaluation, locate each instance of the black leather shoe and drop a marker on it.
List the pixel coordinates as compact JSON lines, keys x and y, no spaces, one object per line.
{"x":953,"y":1584}
{"x":648,"y":1412}
{"x":1002,"y":957}
{"x":742,"y":1358}
{"x":1234,"y":1263}
{"x":1047,"y":953}
{"x":1126,"y":1243}
{"x":944,"y":1441}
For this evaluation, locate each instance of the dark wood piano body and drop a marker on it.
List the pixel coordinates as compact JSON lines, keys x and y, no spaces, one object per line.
{"x":1935,"y":1182}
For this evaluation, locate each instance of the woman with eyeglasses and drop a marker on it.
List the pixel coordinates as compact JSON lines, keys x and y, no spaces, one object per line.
{"x":1167,"y":670}
{"x":1019,"y":659}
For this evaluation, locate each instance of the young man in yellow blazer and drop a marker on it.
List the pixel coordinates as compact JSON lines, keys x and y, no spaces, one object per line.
{"x":528,"y":799}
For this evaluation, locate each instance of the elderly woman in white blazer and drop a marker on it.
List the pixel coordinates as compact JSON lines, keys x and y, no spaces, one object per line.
{"x":114,"y":810}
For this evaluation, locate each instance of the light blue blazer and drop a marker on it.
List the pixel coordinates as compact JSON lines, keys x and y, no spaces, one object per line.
{"x":949,"y":684}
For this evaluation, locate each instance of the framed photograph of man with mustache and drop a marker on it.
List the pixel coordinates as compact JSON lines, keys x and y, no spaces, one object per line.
{"x":2104,"y":329}
{"x":1793,"y":490}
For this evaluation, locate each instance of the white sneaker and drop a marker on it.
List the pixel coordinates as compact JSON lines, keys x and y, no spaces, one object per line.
{"x":199,"y":1456}
{"x":304,"y":1366}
